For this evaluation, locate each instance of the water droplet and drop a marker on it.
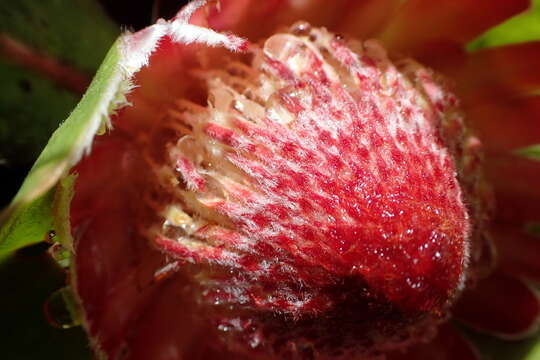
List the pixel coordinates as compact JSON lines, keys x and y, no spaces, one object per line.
{"x":238,"y":106}
{"x":60,"y":254}
{"x":50,"y":237}
{"x":301,"y":28}
{"x":102,"y":128}
{"x":61,"y":310}
{"x":255,"y":340}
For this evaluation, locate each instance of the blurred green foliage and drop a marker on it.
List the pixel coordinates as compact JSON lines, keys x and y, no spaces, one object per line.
{"x":521,"y":28}
{"x":76,"y":33}
{"x":531,"y":152}
{"x":31,"y":107}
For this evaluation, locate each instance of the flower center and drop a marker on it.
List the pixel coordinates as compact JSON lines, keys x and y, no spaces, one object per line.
{"x":326,"y":185}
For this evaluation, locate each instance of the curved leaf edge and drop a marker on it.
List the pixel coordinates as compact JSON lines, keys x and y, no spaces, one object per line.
{"x":31,"y":214}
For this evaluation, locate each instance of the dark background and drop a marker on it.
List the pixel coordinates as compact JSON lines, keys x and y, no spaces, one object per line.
{"x":141,"y":13}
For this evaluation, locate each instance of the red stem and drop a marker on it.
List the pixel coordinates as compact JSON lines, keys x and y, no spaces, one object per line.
{"x":47,"y":66}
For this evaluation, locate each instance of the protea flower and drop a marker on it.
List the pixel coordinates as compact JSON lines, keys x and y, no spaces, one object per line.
{"x":299,"y":179}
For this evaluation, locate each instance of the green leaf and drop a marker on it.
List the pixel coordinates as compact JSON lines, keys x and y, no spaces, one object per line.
{"x":521,"y":28}
{"x":28,"y":225}
{"x":531,"y":152}
{"x":62,"y":204}
{"x":534,"y":352}
{"x":33,"y":203}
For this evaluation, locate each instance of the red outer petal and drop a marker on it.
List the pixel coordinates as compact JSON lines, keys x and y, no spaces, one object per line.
{"x":445,"y":56}
{"x":423,"y":21}
{"x":170,"y":64}
{"x":360,"y":18}
{"x":501,"y":305}
{"x":499,"y":73}
{"x":505,"y":126}
{"x":519,"y":253}
{"x":168,"y":328}
{"x":515,"y":183}
{"x":129,"y":312}
{"x":364,"y":19}
{"x":111,"y":273}
{"x":448,"y":345}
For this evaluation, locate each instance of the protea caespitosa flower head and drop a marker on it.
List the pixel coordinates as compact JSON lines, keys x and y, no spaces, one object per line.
{"x":283,"y":190}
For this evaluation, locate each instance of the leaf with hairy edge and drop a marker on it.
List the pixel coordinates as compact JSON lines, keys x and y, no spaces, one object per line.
{"x":74,"y":138}
{"x":64,"y":149}
{"x":61,"y":206}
